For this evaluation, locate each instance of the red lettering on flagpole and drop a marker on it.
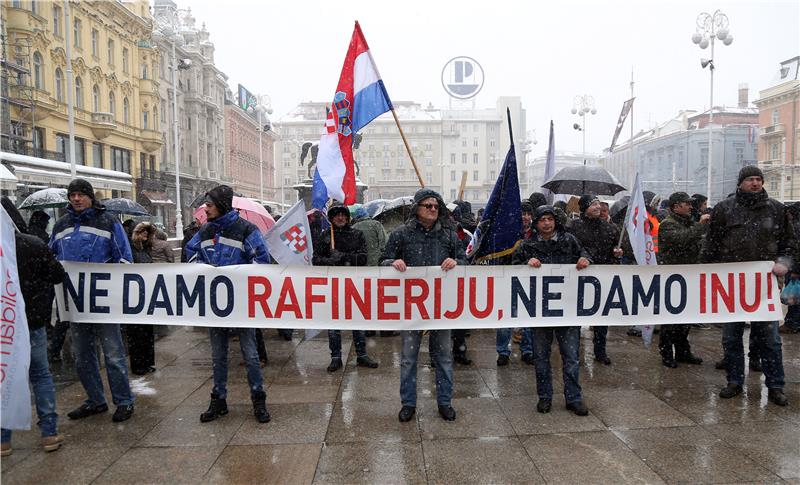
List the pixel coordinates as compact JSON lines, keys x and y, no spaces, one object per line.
{"x":418,"y":300}
{"x":384,"y":299}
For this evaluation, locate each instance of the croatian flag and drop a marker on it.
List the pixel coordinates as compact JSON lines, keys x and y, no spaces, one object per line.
{"x":360,"y":98}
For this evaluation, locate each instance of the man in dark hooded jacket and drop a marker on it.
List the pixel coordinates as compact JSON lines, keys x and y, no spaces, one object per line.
{"x":341,"y":245}
{"x":426,"y":239}
{"x":750,"y":226}
{"x":680,"y":241}
{"x":599,"y":238}
{"x":552,"y":245}
{"x":37,"y":225}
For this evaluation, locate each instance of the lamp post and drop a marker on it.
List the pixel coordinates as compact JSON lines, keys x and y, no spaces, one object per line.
{"x":167,"y":29}
{"x":708,"y":28}
{"x":583,"y":106}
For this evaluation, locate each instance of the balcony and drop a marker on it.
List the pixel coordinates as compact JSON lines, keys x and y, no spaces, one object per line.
{"x":774,"y":130}
{"x":148,"y":86}
{"x":103,"y":124}
{"x":152,"y":140}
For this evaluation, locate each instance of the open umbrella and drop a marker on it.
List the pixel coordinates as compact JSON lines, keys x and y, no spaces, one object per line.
{"x":583,"y":179}
{"x":124,"y":206}
{"x":46,"y":199}
{"x":249,"y":210}
{"x":374,"y":207}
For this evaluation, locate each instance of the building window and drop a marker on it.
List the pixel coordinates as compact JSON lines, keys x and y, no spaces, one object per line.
{"x":463,"y":158}
{"x":110,"y":51}
{"x":96,"y":98}
{"x":120,"y":160}
{"x":62,"y":147}
{"x":144,"y":71}
{"x":491,"y":175}
{"x":35,"y":6}
{"x":57,"y":21}
{"x":76,"y":33}
{"x":428,"y":177}
{"x":475,"y":175}
{"x":776,"y":151}
{"x":95,"y":42}
{"x":452,"y":194}
{"x":97,"y":155}
{"x":452,"y":175}
{"x":475,"y":158}
{"x":112,"y":105}
{"x":464,"y":142}
{"x":125,"y":59}
{"x":38,"y":140}
{"x":474,"y":142}
{"x":491,"y":143}
{"x":145,"y":120}
{"x":155,"y":118}
{"x":776,"y":116}
{"x":126,"y":111}
{"x":38,"y":82}
{"x":452,"y":159}
{"x":59,"y":85}
{"x":78,"y":92}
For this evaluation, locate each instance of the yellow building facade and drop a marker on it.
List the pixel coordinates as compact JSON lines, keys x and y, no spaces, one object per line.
{"x":115,"y":89}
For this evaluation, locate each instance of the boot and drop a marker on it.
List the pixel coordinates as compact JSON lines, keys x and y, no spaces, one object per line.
{"x":260,"y":407}
{"x":218,"y":407}
{"x":461,"y":358}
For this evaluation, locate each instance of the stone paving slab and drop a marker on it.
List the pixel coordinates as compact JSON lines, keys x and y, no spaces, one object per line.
{"x":646,"y":423}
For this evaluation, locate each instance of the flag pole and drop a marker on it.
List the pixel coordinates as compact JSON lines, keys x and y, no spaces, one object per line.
{"x":394,"y":114}
{"x":408,"y":148}
{"x":333,"y":242}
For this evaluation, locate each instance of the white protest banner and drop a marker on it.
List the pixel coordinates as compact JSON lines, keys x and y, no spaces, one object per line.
{"x":15,"y":343}
{"x":381,"y":298}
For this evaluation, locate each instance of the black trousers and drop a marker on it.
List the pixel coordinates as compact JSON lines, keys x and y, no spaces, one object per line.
{"x":674,"y":336}
{"x":141,"y":347}
{"x":459,"y":341}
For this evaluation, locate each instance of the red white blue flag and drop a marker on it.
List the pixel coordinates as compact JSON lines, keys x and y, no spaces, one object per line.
{"x":360,"y":98}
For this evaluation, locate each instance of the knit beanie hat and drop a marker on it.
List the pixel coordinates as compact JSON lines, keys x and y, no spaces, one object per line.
{"x":586,"y":201}
{"x":81,"y":186}
{"x":749,"y":171}
{"x":222,"y":197}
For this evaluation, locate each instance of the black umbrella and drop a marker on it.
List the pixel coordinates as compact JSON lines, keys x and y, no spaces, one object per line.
{"x":583,"y":179}
{"x":125,"y":206}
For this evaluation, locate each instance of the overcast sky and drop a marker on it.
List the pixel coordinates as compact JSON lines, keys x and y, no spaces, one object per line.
{"x":545,"y":52}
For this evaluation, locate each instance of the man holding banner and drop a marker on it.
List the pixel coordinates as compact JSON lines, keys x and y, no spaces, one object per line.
{"x":750,"y":226}
{"x":88,"y":234}
{"x":227,"y":240}
{"x":427,"y":239}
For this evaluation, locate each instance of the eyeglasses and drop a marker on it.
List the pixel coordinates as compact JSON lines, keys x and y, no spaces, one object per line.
{"x":430,"y":207}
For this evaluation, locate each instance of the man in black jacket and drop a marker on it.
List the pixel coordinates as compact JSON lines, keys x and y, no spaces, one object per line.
{"x":752,"y":227}
{"x":341,"y":245}
{"x":599,"y":238}
{"x":426,"y":239}
{"x":41,"y":272}
{"x":551,"y":245}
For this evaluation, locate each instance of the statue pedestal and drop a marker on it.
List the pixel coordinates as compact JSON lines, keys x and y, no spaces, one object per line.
{"x":304,"y":191}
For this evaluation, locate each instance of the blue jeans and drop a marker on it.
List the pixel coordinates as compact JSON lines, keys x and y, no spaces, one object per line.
{"x":599,"y":335}
{"x":84,"y":336}
{"x":441,"y":349}
{"x":766,"y":339}
{"x":219,"y":358}
{"x":568,"y":343}
{"x":44,"y":391}
{"x":503,"y":341}
{"x":335,"y":343}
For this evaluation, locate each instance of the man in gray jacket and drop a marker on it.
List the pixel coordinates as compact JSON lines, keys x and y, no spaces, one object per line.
{"x":426,"y":239}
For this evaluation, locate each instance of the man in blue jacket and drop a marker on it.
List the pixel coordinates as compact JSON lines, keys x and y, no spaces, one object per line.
{"x":227,"y":240}
{"x":88,"y":234}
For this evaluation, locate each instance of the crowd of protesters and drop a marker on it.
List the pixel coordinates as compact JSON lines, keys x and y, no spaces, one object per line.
{"x":746,"y":226}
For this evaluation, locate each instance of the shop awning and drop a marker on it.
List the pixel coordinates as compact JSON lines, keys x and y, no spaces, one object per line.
{"x":33,"y":170}
{"x":7,"y":179}
{"x":157,"y":198}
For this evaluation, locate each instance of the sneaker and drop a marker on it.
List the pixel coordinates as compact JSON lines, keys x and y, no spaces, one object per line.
{"x":406,"y":413}
{"x":603,"y":359}
{"x":6,"y":449}
{"x":544,"y":405}
{"x":502,"y":360}
{"x":335,"y":365}
{"x":729,"y":391}
{"x":776,"y":396}
{"x":123,"y":413}
{"x":366,"y":362}
{"x":86,"y":410}
{"x":447,"y":413}
{"x":527,"y":357}
{"x":578,"y":408}
{"x":755,"y":365}
{"x":689,"y":359}
{"x":52,"y":443}
{"x":669,"y":362}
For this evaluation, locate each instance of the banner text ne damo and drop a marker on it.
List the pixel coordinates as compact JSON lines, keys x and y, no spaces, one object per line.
{"x":271,"y":296}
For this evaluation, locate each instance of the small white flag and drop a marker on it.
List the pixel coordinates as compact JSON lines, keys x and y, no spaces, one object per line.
{"x":289,"y":240}
{"x":638,"y":225}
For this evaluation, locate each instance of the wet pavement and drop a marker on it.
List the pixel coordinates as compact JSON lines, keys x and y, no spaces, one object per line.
{"x":646,"y":423}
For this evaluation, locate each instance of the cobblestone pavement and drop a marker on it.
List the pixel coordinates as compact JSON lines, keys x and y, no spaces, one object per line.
{"x":646,"y":423}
